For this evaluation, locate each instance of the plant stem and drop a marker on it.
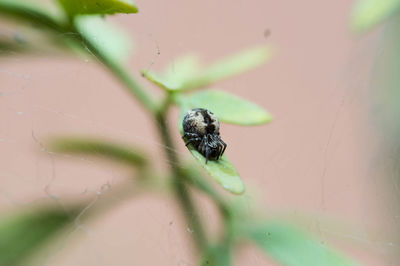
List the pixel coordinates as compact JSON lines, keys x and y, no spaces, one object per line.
{"x":182,"y":192}
{"x":159,"y":111}
{"x":124,"y":77}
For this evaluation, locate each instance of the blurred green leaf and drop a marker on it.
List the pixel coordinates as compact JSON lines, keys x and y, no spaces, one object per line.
{"x":385,"y":90}
{"x":368,"y":13}
{"x":98,"y":7}
{"x":176,"y":74}
{"x":186,"y":73}
{"x":31,"y":41}
{"x":196,"y":178}
{"x":227,"y":107}
{"x":107,"y":39}
{"x":219,"y":255}
{"x":29,"y":12}
{"x":230,"y":66}
{"x":23,"y":234}
{"x":35,"y":29}
{"x":11,"y":47}
{"x":222,"y":171}
{"x":293,"y":247}
{"x":184,"y":107}
{"x":116,"y":152}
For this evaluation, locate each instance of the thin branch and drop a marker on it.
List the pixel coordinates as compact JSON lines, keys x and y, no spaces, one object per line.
{"x":124,"y":77}
{"x":182,"y":194}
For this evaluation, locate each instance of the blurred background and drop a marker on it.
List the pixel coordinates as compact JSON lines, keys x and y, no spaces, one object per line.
{"x":328,"y":161}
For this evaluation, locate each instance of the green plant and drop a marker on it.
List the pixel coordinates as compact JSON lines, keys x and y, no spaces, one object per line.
{"x":384,"y":89}
{"x":80,"y":28}
{"x":368,"y":13}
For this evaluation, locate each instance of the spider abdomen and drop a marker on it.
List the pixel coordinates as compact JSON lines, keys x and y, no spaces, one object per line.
{"x":201,"y":129}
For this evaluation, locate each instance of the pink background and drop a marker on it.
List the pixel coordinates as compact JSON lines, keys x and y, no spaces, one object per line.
{"x":314,"y":164}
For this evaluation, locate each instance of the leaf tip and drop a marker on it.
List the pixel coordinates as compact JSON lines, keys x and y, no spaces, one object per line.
{"x":266,"y":52}
{"x":367,"y":14}
{"x":267,"y":118}
{"x":238,"y":190}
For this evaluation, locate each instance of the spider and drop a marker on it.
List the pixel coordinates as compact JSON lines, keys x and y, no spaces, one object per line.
{"x":201,"y":129}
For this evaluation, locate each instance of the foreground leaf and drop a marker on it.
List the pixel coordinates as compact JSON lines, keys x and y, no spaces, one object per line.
{"x":219,"y":255}
{"x":98,"y":7}
{"x":222,"y":171}
{"x":196,"y":178}
{"x":11,"y":47}
{"x":22,"y":235}
{"x":28,"y":40}
{"x":368,"y":13}
{"x":292,"y":247}
{"x":116,"y":152}
{"x":38,"y":29}
{"x":385,"y":88}
{"x":29,"y":12}
{"x":187,"y":73}
{"x":228,"y":107}
{"x":110,"y":41}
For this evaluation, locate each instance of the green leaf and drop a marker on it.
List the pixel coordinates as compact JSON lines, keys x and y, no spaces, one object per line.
{"x":176,"y":74}
{"x":98,"y":7}
{"x":11,"y":47}
{"x":385,"y":85}
{"x":368,"y":13}
{"x":196,"y":178}
{"x":222,"y":171}
{"x":31,"y":13}
{"x":36,"y":29}
{"x":219,"y":255}
{"x":21,"y":235}
{"x":100,"y":148}
{"x":231,"y":66}
{"x":186,"y":72}
{"x":33,"y":41}
{"x":184,"y":107}
{"x":107,"y":39}
{"x":227,"y":107}
{"x":292,"y":247}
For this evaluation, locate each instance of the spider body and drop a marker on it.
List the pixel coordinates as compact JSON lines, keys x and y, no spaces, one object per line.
{"x":201,"y":129}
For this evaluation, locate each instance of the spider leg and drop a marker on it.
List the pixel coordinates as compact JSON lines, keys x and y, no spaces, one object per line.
{"x":190,"y":135}
{"x":225,"y":145}
{"x":221,"y":145}
{"x":203,"y":147}
{"x":220,"y":151}
{"x":207,"y":153}
{"x":191,"y":140}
